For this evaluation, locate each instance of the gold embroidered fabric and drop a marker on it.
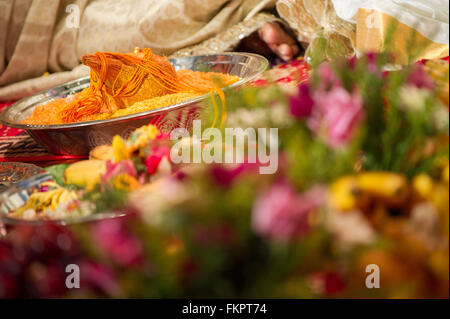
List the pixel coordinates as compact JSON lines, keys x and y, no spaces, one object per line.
{"x":229,"y":39}
{"x":372,"y":27}
{"x":360,"y":26}
{"x":309,"y":18}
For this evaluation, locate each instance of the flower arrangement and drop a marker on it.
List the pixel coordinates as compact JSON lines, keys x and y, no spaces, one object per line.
{"x":363,"y":180}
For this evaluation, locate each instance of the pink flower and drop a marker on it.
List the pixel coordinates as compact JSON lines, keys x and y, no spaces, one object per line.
{"x":419,"y":78}
{"x":282,"y":214}
{"x":302,"y":105}
{"x":225,"y":175}
{"x":123,"y":248}
{"x":155,"y":158}
{"x":372,"y":62}
{"x":115,"y":169}
{"x":327,"y":77}
{"x":99,"y":277}
{"x":337,"y":116}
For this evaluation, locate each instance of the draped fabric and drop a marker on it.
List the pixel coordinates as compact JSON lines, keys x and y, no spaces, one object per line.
{"x":359,"y":26}
{"x":37,"y":36}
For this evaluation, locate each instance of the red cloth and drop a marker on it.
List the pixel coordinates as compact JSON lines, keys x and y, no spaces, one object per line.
{"x":17,"y":146}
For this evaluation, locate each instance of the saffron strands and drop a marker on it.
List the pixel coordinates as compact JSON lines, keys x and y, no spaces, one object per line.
{"x":118,"y":81}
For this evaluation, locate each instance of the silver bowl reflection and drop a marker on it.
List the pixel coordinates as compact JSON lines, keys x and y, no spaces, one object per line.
{"x":80,"y":138}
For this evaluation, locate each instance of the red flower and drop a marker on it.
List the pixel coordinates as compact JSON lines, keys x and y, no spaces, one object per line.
{"x":327,"y":283}
{"x":115,"y":169}
{"x":302,"y":105}
{"x":189,"y":269}
{"x":8,"y":286}
{"x":260,"y":83}
{"x":5,"y":252}
{"x":225,"y":175}
{"x":49,"y":279}
{"x":155,"y":158}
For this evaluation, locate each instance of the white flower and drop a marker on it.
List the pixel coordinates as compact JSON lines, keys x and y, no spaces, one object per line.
{"x":279,"y":115}
{"x":248,"y":118}
{"x":350,"y":228}
{"x":440,"y":116}
{"x":413,"y":98}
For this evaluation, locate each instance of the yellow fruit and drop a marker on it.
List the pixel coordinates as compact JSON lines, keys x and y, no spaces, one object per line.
{"x":392,"y":188}
{"x":85,"y":174}
{"x":345,"y":194}
{"x":423,"y":185}
{"x":445,"y":174}
{"x":104,"y":153}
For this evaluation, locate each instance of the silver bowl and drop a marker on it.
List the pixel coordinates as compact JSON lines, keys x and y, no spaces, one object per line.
{"x":81,"y":138}
{"x":18,"y":194}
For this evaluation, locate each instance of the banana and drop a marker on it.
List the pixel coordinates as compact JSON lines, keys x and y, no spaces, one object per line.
{"x":345,"y":193}
{"x":104,"y":153}
{"x":392,"y":188}
{"x":86,"y":174}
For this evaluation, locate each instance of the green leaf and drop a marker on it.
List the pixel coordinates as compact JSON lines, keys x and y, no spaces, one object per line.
{"x":57,"y":172}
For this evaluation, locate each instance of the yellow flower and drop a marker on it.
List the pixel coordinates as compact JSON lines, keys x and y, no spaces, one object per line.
{"x":120,"y":150}
{"x":144,"y":135}
{"x":126,"y":183}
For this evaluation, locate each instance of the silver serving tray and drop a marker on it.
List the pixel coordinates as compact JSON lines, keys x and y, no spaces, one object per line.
{"x":81,"y":138}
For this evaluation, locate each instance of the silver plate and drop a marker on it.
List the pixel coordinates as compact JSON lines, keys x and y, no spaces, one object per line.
{"x":14,"y":173}
{"x":80,"y":138}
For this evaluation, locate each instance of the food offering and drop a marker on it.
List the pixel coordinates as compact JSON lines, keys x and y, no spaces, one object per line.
{"x":125,"y":84}
{"x":70,"y":193}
